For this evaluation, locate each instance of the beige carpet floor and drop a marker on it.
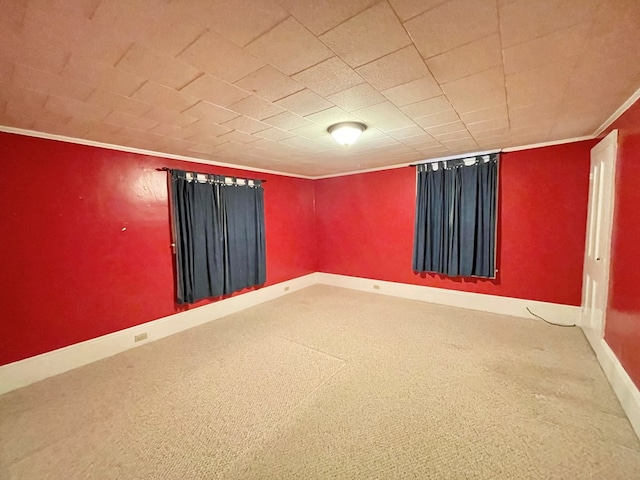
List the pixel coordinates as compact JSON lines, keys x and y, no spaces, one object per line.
{"x":330,"y":383}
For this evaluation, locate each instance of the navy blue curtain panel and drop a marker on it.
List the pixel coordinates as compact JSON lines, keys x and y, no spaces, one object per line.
{"x":219,"y":235}
{"x":455,"y":222}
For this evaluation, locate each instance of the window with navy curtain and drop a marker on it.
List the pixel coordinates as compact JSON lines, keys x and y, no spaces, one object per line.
{"x":219,"y":234}
{"x":455,"y":222}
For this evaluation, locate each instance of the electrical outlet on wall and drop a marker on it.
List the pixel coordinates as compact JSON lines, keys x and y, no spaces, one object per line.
{"x":140,"y":337}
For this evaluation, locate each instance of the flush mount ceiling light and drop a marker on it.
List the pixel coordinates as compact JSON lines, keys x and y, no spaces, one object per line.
{"x":346,"y":133}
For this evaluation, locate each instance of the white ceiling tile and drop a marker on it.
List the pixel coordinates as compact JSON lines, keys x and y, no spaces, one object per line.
{"x":287,"y":121}
{"x":332,"y":115}
{"x":452,"y":25}
{"x":400,"y":67}
{"x":269,"y":83}
{"x":210,"y":112}
{"x":48,"y":83}
{"x":428,"y":107}
{"x":101,"y":75}
{"x":407,"y":9}
{"x":358,"y":40}
{"x":471,"y":58}
{"x":565,"y":43}
{"x":164,"y":70}
{"x":528,"y":19}
{"x":546,"y":84}
{"x":255,"y":107}
{"x":328,"y":77}
{"x":171,"y":41}
{"x":213,"y":79}
{"x":289,"y":47}
{"x":131,"y":121}
{"x":212,"y":90}
{"x":476,"y":92}
{"x":69,"y":107}
{"x":384,"y":116}
{"x":170,"y":117}
{"x":354,"y":98}
{"x":415,"y":91}
{"x":304,"y":102}
{"x":246,"y":125}
{"x":220,"y":57}
{"x":243,"y":20}
{"x":322,"y":15}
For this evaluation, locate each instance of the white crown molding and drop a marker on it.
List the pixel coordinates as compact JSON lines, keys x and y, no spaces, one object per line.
{"x":615,"y":115}
{"x":32,"y":133}
{"x":547,"y":144}
{"x":406,"y":164}
{"x":151,"y":153}
{"x":460,"y":155}
{"x":366,"y":170}
{"x":109,"y":146}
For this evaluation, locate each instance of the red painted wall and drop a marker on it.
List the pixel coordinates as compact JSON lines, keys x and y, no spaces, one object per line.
{"x":84,"y":248}
{"x":622,"y":328}
{"x":365,"y":226}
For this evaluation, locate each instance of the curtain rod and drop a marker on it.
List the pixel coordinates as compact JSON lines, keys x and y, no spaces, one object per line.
{"x":456,"y":157}
{"x":166,"y":169}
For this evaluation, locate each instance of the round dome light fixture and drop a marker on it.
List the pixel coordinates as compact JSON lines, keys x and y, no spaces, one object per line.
{"x":346,"y":133}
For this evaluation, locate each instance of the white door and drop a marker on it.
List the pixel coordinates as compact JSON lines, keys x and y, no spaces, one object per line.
{"x":595,"y":284}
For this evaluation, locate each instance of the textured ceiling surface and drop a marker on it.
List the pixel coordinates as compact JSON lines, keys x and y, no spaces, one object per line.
{"x":256,"y":83}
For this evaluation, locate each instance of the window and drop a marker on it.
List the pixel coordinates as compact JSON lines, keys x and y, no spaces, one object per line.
{"x":456,"y":207}
{"x":219,"y":234}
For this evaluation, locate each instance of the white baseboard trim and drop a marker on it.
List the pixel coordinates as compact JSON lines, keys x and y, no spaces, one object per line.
{"x":517,"y":307}
{"x":30,"y":370}
{"x":624,"y":388}
{"x":621,"y":383}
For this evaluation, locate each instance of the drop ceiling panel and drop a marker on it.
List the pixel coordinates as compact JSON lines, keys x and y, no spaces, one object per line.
{"x":258,"y":82}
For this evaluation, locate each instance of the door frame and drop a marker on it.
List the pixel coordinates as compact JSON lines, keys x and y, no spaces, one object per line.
{"x":607,"y":203}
